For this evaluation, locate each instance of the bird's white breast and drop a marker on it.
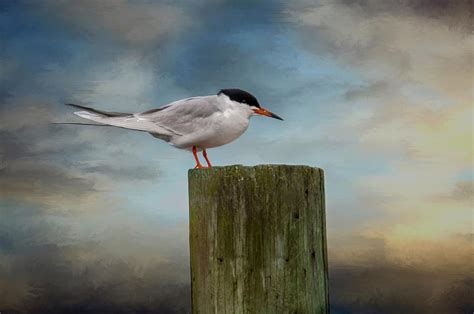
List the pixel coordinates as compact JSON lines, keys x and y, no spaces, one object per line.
{"x":222,"y":127}
{"x":232,"y":124}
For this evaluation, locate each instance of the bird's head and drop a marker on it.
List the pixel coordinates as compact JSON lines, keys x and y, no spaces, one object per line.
{"x":245,"y":98}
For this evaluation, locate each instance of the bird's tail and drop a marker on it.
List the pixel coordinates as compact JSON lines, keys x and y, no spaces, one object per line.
{"x":79,"y":123}
{"x":117,"y":119}
{"x":94,"y":114}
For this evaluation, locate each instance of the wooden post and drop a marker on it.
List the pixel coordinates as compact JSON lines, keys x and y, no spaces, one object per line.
{"x":258,"y":240}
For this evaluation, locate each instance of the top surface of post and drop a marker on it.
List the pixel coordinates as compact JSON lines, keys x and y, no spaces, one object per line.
{"x":242,"y":168}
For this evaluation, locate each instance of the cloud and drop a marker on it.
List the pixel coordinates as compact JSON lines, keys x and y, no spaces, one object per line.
{"x":372,"y":274}
{"x":119,"y":275}
{"x":46,"y":164}
{"x":38,"y":258}
{"x":138,"y":24}
{"x":411,"y":108}
{"x":463,"y":191}
{"x":42,"y":182}
{"x":130,"y":173}
{"x":454,"y":14}
{"x":389,"y":288}
{"x":395,"y":45}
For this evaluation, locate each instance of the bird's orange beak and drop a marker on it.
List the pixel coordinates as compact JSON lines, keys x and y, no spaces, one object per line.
{"x":267,"y":113}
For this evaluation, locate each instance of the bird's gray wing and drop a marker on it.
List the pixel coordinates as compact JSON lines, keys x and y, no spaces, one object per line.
{"x":185,"y":116}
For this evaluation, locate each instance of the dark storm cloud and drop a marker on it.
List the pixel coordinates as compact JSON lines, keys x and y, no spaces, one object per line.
{"x":40,"y":161}
{"x":35,"y":270}
{"x":457,"y":14}
{"x":454,"y":13}
{"x":38,"y":275}
{"x":368,"y":279}
{"x":28,"y":171}
{"x":391,"y":288}
{"x":37,"y":180}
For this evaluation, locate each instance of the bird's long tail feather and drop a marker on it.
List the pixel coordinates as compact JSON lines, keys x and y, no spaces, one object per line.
{"x":78,"y":123}
{"x":100,"y":112}
{"x":117,"y":119}
{"x":93,"y":124}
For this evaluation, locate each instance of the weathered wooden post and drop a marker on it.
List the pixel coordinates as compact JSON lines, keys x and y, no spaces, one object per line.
{"x":258,"y":240}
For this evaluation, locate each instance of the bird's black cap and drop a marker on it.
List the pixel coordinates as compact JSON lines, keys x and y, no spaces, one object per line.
{"x":240,"y":96}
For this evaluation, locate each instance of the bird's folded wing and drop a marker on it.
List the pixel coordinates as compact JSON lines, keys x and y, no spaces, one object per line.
{"x":184,"y":116}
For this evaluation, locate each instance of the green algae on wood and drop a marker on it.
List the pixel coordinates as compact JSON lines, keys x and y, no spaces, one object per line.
{"x":258,"y":240}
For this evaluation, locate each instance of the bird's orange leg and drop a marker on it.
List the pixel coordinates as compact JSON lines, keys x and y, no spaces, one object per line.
{"x":204,"y":153}
{"x":198,"y":164}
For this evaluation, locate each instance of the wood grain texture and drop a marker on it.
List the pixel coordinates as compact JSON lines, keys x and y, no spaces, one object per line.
{"x":258,"y":240}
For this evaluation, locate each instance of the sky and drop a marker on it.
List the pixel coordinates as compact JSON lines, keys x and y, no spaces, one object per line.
{"x":378,"y":94}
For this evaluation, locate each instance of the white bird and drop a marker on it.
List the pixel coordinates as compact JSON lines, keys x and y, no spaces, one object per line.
{"x":195,"y":123}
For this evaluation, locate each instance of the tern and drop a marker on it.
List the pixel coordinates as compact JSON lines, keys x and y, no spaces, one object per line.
{"x":196,"y":123}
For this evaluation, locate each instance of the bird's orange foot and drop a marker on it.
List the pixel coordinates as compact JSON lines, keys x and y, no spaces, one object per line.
{"x":199,"y":166}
